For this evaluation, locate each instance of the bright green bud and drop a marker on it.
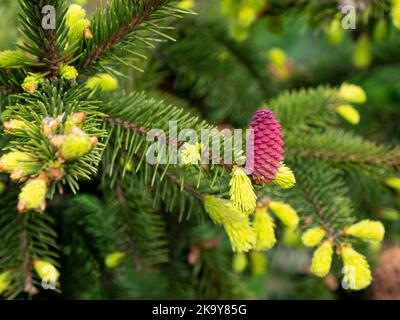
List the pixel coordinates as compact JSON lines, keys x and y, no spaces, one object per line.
{"x":380,"y":30}
{"x":258,"y":262}
{"x":189,"y":154}
{"x":242,"y":191}
{"x":78,"y":30}
{"x":357,"y":273}
{"x":33,"y":196}
{"x":285,"y":213}
{"x":264,"y":229}
{"x":186,"y":4}
{"x":238,"y":32}
{"x":216,"y":208}
{"x":247,"y":15}
{"x":235,"y":222}
{"x":285,"y":177}
{"x":13,"y":59}
{"x":352,"y":93}
{"x":367,"y":230}
{"x":13,"y":160}
{"x":322,"y":259}
{"x":19,"y":164}
{"x":74,"y":13}
{"x":128,"y":166}
{"x":14,"y":126}
{"x":31,"y":82}
{"x":68,"y":72}
{"x":74,"y":120}
{"x":277,"y":57}
{"x":114,"y":259}
{"x":239,"y":262}
{"x":335,"y":32}
{"x":240,"y":232}
{"x":349,"y":113}
{"x":5,"y":281}
{"x":393,"y":182}
{"x":313,"y":236}
{"x":390,"y":214}
{"x":46,"y":271}
{"x":362,"y":56}
{"x":76,"y":145}
{"x":396,"y":13}
{"x":103,"y":81}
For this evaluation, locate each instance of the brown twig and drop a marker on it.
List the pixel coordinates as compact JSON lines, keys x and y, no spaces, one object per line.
{"x":53,"y":61}
{"x":27,"y":262}
{"x":9,"y":89}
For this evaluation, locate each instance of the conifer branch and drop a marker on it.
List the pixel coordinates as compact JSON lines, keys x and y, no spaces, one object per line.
{"x":62,"y":128}
{"x":177,"y":180}
{"x":143,"y":132}
{"x":46,"y":44}
{"x":337,"y":146}
{"x":53,"y":62}
{"x":139,"y":130}
{"x":190,"y":190}
{"x":136,"y":20}
{"x":27,"y":260}
{"x":316,"y":205}
{"x":122,"y":201}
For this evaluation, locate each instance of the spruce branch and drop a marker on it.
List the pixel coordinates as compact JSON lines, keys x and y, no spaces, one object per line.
{"x":53,"y":62}
{"x":149,"y":8}
{"x":190,"y":190}
{"x":46,"y":45}
{"x":143,"y":131}
{"x":27,"y":259}
{"x":340,"y":147}
{"x":139,"y":130}
{"x":318,"y":208}
{"x":133,"y":26}
{"x":122,"y":200}
{"x":135,"y":115}
{"x":323,"y":193}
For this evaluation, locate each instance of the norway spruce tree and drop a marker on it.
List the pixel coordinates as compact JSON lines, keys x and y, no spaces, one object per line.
{"x":153,"y":150}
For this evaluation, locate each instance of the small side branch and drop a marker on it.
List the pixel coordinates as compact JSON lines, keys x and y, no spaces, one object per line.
{"x":122,"y":201}
{"x":27,"y":261}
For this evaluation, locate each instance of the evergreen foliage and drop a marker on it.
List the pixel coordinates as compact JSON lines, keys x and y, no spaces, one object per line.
{"x":79,"y":101}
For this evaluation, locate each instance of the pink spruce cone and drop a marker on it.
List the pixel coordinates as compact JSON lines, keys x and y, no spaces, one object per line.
{"x":264,"y":147}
